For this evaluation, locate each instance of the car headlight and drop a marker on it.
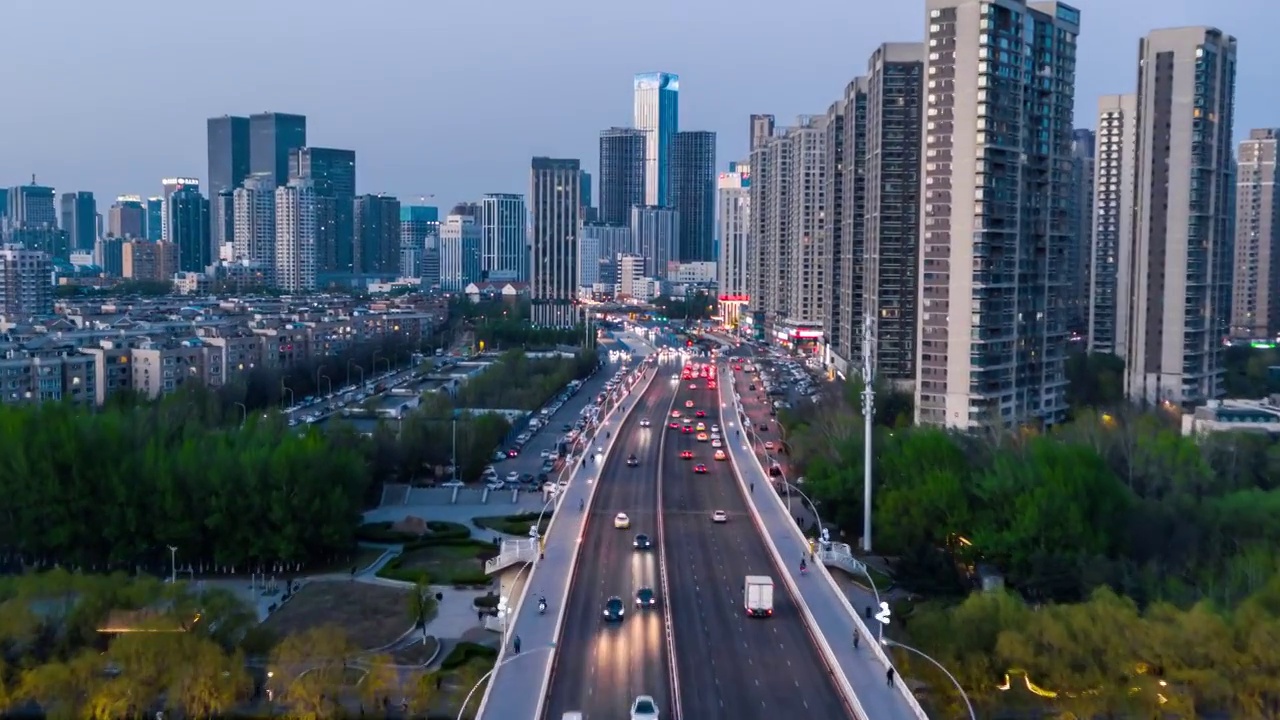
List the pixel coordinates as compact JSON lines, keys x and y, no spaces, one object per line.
{"x":652,"y":600}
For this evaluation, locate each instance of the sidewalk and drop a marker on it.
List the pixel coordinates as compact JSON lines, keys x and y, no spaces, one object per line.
{"x":834,"y":619}
{"x":520,"y":693}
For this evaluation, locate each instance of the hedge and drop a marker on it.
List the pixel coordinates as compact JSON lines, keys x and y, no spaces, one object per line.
{"x":465,"y":652}
{"x":440,"y":533}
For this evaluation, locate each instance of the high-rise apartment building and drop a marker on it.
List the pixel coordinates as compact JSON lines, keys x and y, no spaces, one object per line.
{"x":26,"y":282}
{"x":693,"y":193}
{"x":996,"y":219}
{"x":333,"y":173}
{"x":733,"y":191}
{"x":222,"y":220}
{"x":272,"y":137}
{"x":842,"y":141}
{"x":33,"y":219}
{"x":657,"y":113}
{"x":655,"y":236}
{"x":555,"y":204}
{"x":761,"y":130}
{"x":890,"y":215}
{"x":600,"y":246}
{"x":127,"y":218}
{"x":295,"y":250}
{"x":377,"y":229}
{"x":622,"y":167}
{"x":788,"y":218}
{"x":254,"y":242}
{"x":504,"y":244}
{"x":1114,"y":159}
{"x":79,"y":220}
{"x":148,"y":261}
{"x":461,"y":261}
{"x":1079,"y":252}
{"x":228,"y":147}
{"x":189,"y":229}
{"x":1179,"y":303}
{"x":169,"y":187}
{"x":1255,"y":297}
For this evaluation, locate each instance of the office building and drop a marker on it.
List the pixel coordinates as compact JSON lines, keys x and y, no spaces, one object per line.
{"x":622,"y":168}
{"x":108,"y":254}
{"x":505,"y":236}
{"x":889,"y":210}
{"x":693,"y":193}
{"x":189,"y":229}
{"x":992,"y":329}
{"x":155,"y":219}
{"x":1114,"y":159}
{"x":222,"y":223}
{"x":584,"y":186}
{"x":461,"y":261}
{"x":1255,"y":297}
{"x":4,"y":207}
{"x":655,"y":236}
{"x":555,"y":207}
{"x":788,"y":218}
{"x":1079,"y":251}
{"x":254,"y":242}
{"x":272,"y":137}
{"x":377,"y":241}
{"x":169,"y":187}
{"x":419,"y":227}
{"x":1179,"y":304}
{"x":26,"y":283}
{"x":633,"y":282}
{"x":146,"y":261}
{"x":295,"y":250}
{"x":600,"y":246}
{"x":79,"y":220}
{"x":657,"y":114}
{"x":734,"y":206}
{"x":33,"y":219}
{"x":127,"y":218}
{"x":333,"y":174}
{"x":228,"y":147}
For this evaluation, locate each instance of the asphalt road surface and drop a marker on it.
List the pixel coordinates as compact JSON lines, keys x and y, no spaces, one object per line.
{"x":601,"y":667}
{"x":730,"y":665}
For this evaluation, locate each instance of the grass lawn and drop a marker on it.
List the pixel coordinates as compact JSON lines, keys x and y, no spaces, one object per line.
{"x":372,"y":615}
{"x":513,"y":524}
{"x":362,"y":558}
{"x":417,"y":653}
{"x":444,"y":564}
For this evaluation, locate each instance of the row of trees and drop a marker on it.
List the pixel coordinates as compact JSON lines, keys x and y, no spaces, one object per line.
{"x":1104,"y":657}
{"x":1120,"y":499}
{"x":507,"y":325}
{"x":519,"y":382}
{"x":696,"y":306}
{"x":193,"y":654}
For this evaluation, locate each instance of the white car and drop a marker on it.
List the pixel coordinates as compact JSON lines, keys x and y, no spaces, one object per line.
{"x":644,"y":708}
{"x":715,"y":428}
{"x":719,"y":516}
{"x":768,"y":445}
{"x":621,"y":521}
{"x":496,"y":485}
{"x":716,"y":443}
{"x":644,"y":422}
{"x":513,"y":477}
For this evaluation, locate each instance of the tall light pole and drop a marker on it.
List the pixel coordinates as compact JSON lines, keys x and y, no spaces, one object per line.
{"x":893,"y":643}
{"x":868,"y":415}
{"x":244,"y":412}
{"x":173,"y":564}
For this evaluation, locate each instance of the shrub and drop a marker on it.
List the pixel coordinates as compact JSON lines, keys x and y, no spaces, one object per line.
{"x":381,"y":532}
{"x":465,"y":652}
{"x":487,"y":602}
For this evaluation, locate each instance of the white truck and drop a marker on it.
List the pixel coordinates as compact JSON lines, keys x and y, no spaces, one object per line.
{"x":758,"y":595}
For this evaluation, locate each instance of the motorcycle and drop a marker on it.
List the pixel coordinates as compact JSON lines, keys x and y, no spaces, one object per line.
{"x":542,"y":607}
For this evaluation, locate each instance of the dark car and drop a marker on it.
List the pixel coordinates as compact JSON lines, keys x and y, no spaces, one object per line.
{"x":646,"y":598}
{"x":764,"y":427}
{"x":632,"y":460}
{"x":614,"y":609}
{"x":642,"y":542}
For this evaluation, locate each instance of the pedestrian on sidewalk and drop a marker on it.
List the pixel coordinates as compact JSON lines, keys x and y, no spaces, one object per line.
{"x":753,"y":487}
{"x":888,"y":675}
{"x":515,"y":645}
{"x":856,"y":639}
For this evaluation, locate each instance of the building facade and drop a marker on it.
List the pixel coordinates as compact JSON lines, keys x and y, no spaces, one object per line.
{"x":1112,"y":221}
{"x":333,"y":173}
{"x":228,"y":148}
{"x":655,"y":236}
{"x":733,"y":190}
{"x":1179,"y":303}
{"x":503,"y":224}
{"x":127,"y":218}
{"x":461,"y":253}
{"x":79,"y":220}
{"x":657,"y":114}
{"x":377,"y":241}
{"x":1079,"y":253}
{"x":622,"y":168}
{"x":272,"y":137}
{"x":555,"y":206}
{"x":693,"y":193}
{"x":1255,"y":297}
{"x":296,"y":235}
{"x":254,"y":242}
{"x":26,"y":283}
{"x":147,"y":261}
{"x":992,"y":328}
{"x":189,"y":229}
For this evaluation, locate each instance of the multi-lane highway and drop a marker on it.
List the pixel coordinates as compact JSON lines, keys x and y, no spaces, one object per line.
{"x":730,"y":665}
{"x":600,"y":666}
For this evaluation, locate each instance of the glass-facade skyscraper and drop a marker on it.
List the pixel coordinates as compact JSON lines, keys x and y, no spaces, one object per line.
{"x":693,"y":194}
{"x":333,"y":174}
{"x":622,"y":168}
{"x":657,"y":113}
{"x":272,"y":137}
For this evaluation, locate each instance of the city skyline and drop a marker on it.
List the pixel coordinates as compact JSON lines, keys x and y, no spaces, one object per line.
{"x":479,"y":152}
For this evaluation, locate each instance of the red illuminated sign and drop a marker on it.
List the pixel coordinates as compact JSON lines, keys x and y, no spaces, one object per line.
{"x":735,"y":298}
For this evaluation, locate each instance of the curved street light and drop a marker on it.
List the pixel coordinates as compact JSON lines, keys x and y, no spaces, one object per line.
{"x":893,"y":643}
{"x":492,"y":670}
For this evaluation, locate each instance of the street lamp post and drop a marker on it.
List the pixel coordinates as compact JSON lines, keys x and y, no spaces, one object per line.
{"x":244,"y":412}
{"x":351,"y":363}
{"x":319,"y":369}
{"x":492,"y":670}
{"x":328,"y":381}
{"x":963,"y":696}
{"x":173,"y":564}
{"x":293,"y":399}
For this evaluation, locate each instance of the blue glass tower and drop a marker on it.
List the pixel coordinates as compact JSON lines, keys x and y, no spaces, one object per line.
{"x":657,"y":113}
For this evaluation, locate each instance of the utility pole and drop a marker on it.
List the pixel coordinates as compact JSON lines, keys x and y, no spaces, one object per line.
{"x":173,"y":564}
{"x":868,"y":415}
{"x":454,"y":452}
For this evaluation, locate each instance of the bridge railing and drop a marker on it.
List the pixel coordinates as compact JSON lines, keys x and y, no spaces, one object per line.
{"x":512,"y":551}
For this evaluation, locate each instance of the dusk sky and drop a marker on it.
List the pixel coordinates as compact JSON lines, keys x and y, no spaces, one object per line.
{"x":452,"y":99}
